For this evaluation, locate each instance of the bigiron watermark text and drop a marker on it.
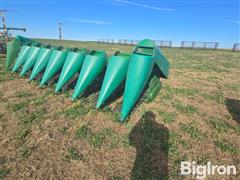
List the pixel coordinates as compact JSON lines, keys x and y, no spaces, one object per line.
{"x":201,"y":171}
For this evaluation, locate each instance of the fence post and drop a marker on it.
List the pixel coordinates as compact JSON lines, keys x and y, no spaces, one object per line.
{"x":193,"y":44}
{"x":236,"y":47}
{"x":205,"y":45}
{"x":182,"y":44}
{"x":216,"y":46}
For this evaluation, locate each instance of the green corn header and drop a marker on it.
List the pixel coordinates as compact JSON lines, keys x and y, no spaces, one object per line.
{"x":135,"y":68}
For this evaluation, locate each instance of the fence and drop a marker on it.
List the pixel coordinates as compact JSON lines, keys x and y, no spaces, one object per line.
{"x":169,"y":44}
{"x":160,"y":43}
{"x":107,"y":41}
{"x":127,"y":42}
{"x":199,"y":45}
{"x":236,"y":47}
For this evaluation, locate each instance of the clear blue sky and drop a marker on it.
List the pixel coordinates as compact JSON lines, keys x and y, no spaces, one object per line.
{"x":198,"y":20}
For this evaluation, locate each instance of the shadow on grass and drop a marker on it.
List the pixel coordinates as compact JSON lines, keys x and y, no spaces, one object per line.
{"x":151,"y":142}
{"x":233,"y":106}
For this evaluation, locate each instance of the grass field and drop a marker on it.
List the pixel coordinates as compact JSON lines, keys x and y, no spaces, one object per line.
{"x":195,"y":117}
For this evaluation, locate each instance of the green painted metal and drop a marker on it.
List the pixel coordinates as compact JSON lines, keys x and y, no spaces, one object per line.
{"x":139,"y":70}
{"x":41,"y":62}
{"x":115,"y":74}
{"x":25,"y":41}
{"x":30,"y":60}
{"x":143,"y":58}
{"x":136,"y":68}
{"x":71,"y":66}
{"x":21,"y":57}
{"x":24,"y":51}
{"x":154,"y":87}
{"x":92,"y":67}
{"x":54,"y":65}
{"x":162,"y":62}
{"x":13,"y":48}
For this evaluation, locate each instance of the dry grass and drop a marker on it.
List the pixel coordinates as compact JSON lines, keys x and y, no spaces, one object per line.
{"x":195,"y":117}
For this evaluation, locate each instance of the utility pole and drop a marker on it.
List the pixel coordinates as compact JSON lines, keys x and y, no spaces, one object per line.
{"x":60,"y":30}
{"x":4,"y":25}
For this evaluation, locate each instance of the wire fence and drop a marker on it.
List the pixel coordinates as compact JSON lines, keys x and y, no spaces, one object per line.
{"x":160,"y":43}
{"x":199,"y":45}
{"x":236,"y":47}
{"x":169,"y":44}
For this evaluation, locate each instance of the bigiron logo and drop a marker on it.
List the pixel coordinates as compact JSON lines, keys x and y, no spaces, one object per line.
{"x":201,"y":171}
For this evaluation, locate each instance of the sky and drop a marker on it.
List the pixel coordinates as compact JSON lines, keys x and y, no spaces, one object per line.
{"x":175,"y":20}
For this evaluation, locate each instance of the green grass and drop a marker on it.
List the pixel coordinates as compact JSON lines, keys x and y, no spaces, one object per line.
{"x":26,"y":116}
{"x":25,"y":152}
{"x":2,"y":160}
{"x":96,"y":139}
{"x":218,"y":124}
{"x":194,"y":132}
{"x":187,"y":92}
{"x":22,"y":133}
{"x":22,"y":94}
{"x":74,"y":154}
{"x":174,"y":138}
{"x":17,"y":106}
{"x":4,"y":172}
{"x":3,"y":77}
{"x":77,"y":110}
{"x":39,"y":101}
{"x":167,"y":117}
{"x":216,"y":96}
{"x":226,"y":146}
{"x":83,"y":132}
{"x":188,"y":109}
{"x":63,"y":130}
{"x":197,"y":79}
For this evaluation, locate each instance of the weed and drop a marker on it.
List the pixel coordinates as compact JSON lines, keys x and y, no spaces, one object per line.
{"x":217,"y":97}
{"x":38,"y":101}
{"x":202,"y":159}
{"x":125,"y":140}
{"x":3,"y":77}
{"x":18,"y":106}
{"x":22,"y":94}
{"x":185,"y":144}
{"x":97,"y":139}
{"x":22,"y":133}
{"x":28,"y":118}
{"x":63,"y":130}
{"x":189,"y":109}
{"x":73,"y":154}
{"x":218,"y":124}
{"x":167,"y":93}
{"x":194,"y":132}
{"x":4,"y":172}
{"x":226,"y":147}
{"x":116,"y":178}
{"x":173,"y":141}
{"x":25,"y":152}
{"x":76,"y":111}
{"x":237,"y":129}
{"x":83,"y":132}
{"x":2,"y":160}
{"x":186,"y":92}
{"x":115,"y":140}
{"x":167,"y":117}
